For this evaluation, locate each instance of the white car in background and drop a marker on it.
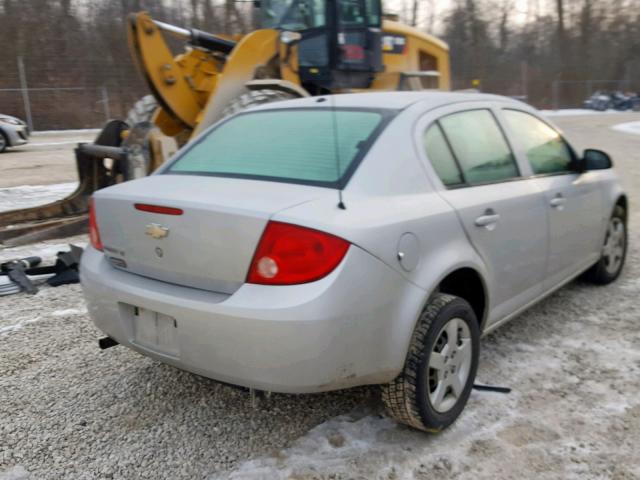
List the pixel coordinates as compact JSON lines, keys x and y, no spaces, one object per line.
{"x":13,"y":132}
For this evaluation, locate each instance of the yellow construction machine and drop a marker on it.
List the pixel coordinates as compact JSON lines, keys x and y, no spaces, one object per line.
{"x":302,"y":48}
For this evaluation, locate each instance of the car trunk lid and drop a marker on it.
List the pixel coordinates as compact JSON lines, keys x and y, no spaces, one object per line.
{"x":210,"y":244}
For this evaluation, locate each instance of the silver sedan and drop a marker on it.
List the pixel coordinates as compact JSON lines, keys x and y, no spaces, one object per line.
{"x":370,"y":238}
{"x":13,"y":132}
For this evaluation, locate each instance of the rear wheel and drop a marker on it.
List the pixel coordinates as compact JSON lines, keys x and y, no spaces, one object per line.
{"x":440,"y":369}
{"x":4,"y":141}
{"x":255,"y":97}
{"x":614,"y":250}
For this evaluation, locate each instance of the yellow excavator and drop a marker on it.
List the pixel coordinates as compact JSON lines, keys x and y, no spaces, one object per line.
{"x":302,"y":48}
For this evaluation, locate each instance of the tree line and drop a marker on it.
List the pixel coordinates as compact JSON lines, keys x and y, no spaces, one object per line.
{"x":571,"y":46}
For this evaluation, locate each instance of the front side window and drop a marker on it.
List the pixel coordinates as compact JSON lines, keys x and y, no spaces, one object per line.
{"x":440,"y":156}
{"x":309,"y":146}
{"x":479,"y":146}
{"x":293,"y":14}
{"x":546,"y":150}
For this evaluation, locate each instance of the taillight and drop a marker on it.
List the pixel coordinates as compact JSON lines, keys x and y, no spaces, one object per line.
{"x":289,"y":254}
{"x":94,"y":234}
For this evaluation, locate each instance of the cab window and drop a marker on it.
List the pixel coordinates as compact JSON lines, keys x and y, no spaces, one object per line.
{"x":546,"y":150}
{"x":479,"y":146}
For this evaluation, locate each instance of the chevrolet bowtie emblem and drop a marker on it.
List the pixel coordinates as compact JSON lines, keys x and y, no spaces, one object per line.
{"x":156,"y":231}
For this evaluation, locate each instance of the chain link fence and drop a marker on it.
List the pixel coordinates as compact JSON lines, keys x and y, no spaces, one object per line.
{"x":30,"y":93}
{"x":34,"y":92}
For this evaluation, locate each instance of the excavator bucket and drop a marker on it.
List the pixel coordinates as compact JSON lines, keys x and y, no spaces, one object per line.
{"x":108,"y":160}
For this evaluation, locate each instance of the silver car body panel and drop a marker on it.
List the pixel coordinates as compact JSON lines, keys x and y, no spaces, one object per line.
{"x":354,"y":326}
{"x":16,"y":133}
{"x":211,"y":244}
{"x":333,"y":333}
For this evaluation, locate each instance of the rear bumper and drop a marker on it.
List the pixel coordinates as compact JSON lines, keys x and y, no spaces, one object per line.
{"x":349,"y":328}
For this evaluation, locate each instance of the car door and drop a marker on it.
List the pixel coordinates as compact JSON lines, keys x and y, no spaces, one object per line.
{"x":574,"y":201}
{"x":503,"y":212}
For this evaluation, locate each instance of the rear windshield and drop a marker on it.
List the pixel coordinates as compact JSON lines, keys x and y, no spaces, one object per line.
{"x":310,"y":146}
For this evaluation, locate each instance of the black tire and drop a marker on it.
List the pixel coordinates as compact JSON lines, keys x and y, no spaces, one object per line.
{"x":407,"y":398}
{"x":255,"y":97}
{"x":4,"y":141}
{"x":601,"y":273}
{"x":142,"y":110}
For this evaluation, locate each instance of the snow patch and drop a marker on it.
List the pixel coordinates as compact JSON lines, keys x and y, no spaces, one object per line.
{"x":26,"y":321}
{"x":26,"y":196}
{"x":65,"y":132}
{"x":15,"y":473}
{"x":572,"y":112}
{"x":69,"y":311}
{"x":628,"y":127}
{"x":54,"y":144}
{"x":46,"y":250}
{"x":329,"y":446}
{"x":17,"y":326}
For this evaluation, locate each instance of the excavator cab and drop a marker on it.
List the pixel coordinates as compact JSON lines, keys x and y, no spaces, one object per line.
{"x":338,"y":43}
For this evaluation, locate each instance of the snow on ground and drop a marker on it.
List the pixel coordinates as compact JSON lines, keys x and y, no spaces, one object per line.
{"x":40,"y":133}
{"x":46,"y":250}
{"x":25,"y":196}
{"x":68,"y":410}
{"x":628,"y":127}
{"x":573,"y":112}
{"x":16,"y":473}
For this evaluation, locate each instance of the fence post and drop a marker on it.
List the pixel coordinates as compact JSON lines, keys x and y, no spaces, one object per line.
{"x":105,"y":103}
{"x":555,"y":93}
{"x":25,"y":92}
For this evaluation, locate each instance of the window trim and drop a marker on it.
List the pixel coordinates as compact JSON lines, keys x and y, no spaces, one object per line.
{"x":436,"y":124}
{"x":466,"y":183}
{"x":386,"y":116}
{"x":574,"y":156}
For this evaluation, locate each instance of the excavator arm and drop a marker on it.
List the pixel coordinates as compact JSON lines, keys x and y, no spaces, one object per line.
{"x":181,"y":84}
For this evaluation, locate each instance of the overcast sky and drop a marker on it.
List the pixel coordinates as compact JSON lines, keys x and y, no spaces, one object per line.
{"x":521,"y":9}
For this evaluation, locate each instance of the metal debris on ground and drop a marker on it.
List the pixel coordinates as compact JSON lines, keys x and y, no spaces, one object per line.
{"x":22,"y":273}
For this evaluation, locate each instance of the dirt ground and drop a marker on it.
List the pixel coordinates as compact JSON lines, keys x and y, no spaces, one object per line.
{"x":48,"y":158}
{"x":68,"y":410}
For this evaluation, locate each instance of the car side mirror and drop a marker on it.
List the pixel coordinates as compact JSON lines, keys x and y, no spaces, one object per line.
{"x":595,"y":160}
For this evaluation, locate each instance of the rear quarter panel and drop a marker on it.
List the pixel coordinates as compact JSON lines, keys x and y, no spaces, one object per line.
{"x":389,"y":195}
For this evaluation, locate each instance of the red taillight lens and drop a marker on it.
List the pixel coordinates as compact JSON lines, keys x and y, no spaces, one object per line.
{"x":289,"y":254}
{"x":94,"y":234}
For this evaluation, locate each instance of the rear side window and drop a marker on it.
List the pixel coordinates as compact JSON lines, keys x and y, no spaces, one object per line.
{"x":479,"y":146}
{"x":315,"y":146}
{"x":546,"y":150}
{"x":441,"y":157}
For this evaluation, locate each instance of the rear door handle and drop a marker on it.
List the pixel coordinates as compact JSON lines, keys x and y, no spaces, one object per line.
{"x":488,"y":220}
{"x":558,"y":201}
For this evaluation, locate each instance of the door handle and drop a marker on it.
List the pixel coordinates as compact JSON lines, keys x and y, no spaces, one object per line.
{"x":488,"y":220}
{"x":558,"y":201}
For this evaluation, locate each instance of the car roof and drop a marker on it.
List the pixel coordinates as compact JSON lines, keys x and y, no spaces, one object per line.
{"x":390,"y":100}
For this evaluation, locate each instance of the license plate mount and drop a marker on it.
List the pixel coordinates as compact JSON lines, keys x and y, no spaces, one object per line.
{"x":155,"y":331}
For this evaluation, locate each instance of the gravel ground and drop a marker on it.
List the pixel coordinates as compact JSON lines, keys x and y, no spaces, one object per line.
{"x":68,"y":410}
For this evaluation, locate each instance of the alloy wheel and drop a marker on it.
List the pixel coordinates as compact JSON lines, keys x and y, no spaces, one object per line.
{"x":449,"y":365}
{"x":614,"y":245}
